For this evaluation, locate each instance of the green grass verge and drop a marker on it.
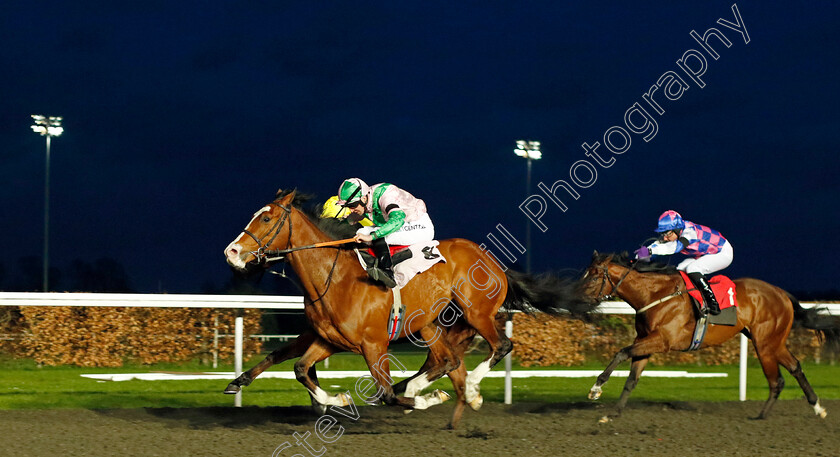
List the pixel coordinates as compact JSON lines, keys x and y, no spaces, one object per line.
{"x":24,"y":385}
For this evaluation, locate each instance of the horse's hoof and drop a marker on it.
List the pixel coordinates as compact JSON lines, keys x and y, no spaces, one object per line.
{"x":232,"y":389}
{"x":407,"y":411}
{"x":594,"y":393}
{"x":442,"y":395}
{"x":604,"y":420}
{"x":476,"y":402}
{"x":343,"y":400}
{"x":819,"y":410}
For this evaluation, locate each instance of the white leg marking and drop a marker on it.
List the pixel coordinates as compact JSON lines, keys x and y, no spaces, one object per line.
{"x":819,"y":410}
{"x":416,"y":385}
{"x":431,"y":399}
{"x":323,"y":398}
{"x":474,"y":379}
{"x":595,"y":392}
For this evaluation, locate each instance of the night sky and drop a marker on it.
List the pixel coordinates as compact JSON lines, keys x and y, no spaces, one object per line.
{"x":183,"y":118}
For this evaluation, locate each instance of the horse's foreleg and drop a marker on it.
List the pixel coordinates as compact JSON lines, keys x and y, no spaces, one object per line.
{"x":402,"y":386}
{"x":305,"y":374}
{"x":636,"y":368}
{"x":379,"y":364}
{"x":644,"y":346}
{"x":294,"y":349}
{"x":620,"y":356}
{"x":442,"y":359}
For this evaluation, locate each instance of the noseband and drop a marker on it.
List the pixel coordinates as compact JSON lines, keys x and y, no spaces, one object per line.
{"x":262,"y":253}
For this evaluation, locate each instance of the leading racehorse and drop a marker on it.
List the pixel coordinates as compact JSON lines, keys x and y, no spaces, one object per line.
{"x":348,"y":312}
{"x":765,"y":315}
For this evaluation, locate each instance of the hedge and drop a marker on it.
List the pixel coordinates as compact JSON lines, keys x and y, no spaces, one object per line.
{"x":109,"y":337}
{"x":542,"y":340}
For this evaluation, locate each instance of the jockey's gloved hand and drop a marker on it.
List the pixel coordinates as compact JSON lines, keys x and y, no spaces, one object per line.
{"x":643,"y":253}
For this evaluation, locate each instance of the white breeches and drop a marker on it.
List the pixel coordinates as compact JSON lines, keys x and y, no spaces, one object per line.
{"x":412,"y":232}
{"x":709,"y":263}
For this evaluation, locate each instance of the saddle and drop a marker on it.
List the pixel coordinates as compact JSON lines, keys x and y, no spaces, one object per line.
{"x":398,"y":254}
{"x":724,"y":290}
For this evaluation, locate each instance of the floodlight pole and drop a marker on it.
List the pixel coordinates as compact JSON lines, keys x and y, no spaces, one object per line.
{"x":47,"y":127}
{"x":530,"y":150}
{"x":46,"y":285}
{"x":528,"y":223}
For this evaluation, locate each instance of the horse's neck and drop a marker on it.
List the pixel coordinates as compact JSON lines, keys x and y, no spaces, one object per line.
{"x":313,"y":266}
{"x":640,"y":289}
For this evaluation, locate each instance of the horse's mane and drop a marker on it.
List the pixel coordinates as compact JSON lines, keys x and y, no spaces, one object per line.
{"x":625,"y":260}
{"x":334,"y":228}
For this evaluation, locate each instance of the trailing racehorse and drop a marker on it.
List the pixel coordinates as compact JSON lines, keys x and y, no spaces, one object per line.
{"x":765,"y":314}
{"x":348,"y":312}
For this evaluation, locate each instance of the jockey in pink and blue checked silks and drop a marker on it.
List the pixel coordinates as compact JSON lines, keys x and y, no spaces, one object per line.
{"x":708,"y":250}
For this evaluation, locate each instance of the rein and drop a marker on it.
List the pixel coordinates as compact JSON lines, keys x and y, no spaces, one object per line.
{"x":281,"y":253}
{"x":607,"y":279}
{"x":661,"y":300}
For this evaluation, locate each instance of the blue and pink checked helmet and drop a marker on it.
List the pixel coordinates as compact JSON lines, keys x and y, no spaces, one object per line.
{"x":670,"y":220}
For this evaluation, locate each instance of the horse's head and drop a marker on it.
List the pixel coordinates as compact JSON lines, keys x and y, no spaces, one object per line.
{"x":269,"y":229}
{"x":603,"y":276}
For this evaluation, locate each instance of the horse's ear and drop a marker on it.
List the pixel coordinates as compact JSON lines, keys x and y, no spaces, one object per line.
{"x":594,"y":254}
{"x":288,"y":198}
{"x":279,"y":191}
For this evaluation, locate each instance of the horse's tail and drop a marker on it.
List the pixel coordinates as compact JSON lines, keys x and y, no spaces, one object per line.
{"x":547,"y":293}
{"x":826,"y":326}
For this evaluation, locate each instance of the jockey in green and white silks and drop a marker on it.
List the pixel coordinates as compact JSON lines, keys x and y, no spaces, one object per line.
{"x":398,"y":217}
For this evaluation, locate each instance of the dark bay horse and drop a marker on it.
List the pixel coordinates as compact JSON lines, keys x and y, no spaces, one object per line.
{"x":347,"y":312}
{"x":765,"y":315}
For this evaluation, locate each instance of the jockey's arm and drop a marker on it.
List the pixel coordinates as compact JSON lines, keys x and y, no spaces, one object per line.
{"x":396,"y":219}
{"x":669,"y":248}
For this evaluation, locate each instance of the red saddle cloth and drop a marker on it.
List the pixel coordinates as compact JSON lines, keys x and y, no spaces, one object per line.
{"x":393,"y":249}
{"x":722,"y":286}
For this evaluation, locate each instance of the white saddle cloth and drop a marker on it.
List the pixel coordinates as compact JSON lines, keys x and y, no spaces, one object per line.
{"x":423,"y":256}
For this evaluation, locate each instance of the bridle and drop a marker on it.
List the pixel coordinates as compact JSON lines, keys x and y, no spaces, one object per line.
{"x":605,"y":274}
{"x":262,"y":253}
{"x":606,"y":279}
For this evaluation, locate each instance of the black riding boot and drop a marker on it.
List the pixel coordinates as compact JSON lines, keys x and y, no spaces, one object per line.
{"x":381,"y":270}
{"x":705,"y":288}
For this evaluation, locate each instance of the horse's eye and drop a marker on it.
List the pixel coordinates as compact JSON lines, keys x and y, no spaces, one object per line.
{"x":266,"y":219}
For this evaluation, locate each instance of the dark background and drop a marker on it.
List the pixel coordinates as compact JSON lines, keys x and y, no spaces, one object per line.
{"x":183,"y":118}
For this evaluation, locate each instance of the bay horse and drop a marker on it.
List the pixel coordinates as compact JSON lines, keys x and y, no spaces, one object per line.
{"x":766,"y":314}
{"x":348,"y":312}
